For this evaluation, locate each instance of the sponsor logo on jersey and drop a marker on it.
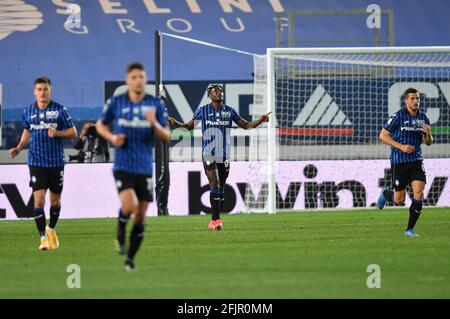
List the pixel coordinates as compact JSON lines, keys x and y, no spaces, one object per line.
{"x":43,"y":126}
{"x":134,"y":123}
{"x":216,"y":123}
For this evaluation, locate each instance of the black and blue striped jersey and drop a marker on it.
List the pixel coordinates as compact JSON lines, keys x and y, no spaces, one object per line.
{"x":406,"y":129}
{"x":45,"y":151}
{"x":216,"y":127}
{"x":128,"y":118}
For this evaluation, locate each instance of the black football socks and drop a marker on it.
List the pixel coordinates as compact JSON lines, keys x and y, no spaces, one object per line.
{"x":54,"y":216}
{"x":136,"y":237}
{"x":39,"y":218}
{"x":222,"y":198}
{"x":389,"y":195}
{"x":121,"y":227}
{"x":214,"y":199}
{"x":414,"y":212}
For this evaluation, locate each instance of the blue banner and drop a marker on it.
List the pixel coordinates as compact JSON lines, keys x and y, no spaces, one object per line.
{"x":80,"y":44}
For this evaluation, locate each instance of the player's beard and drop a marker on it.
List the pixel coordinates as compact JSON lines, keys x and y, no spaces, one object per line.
{"x":44,"y":101}
{"x":218,"y":99}
{"x":138,"y":91}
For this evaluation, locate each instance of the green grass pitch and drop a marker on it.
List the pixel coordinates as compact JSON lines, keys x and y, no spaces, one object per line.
{"x":286,"y":255}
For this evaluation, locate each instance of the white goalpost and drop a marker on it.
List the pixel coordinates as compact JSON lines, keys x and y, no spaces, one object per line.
{"x":328,"y":106}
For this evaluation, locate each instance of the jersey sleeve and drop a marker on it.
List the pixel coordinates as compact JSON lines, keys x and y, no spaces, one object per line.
{"x":66,"y":119}
{"x":108,"y":112}
{"x":392,"y":123}
{"x":198,"y":114}
{"x":234,"y":115}
{"x":25,"y":120}
{"x":426,"y":121}
{"x":161,"y":114}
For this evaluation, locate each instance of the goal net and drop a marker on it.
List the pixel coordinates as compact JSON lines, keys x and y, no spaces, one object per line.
{"x":321,"y":148}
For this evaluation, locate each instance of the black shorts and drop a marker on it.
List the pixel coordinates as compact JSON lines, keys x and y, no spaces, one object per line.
{"x":222,"y":166}
{"x":141,"y":184}
{"x":47,"y":178}
{"x":405,"y":173}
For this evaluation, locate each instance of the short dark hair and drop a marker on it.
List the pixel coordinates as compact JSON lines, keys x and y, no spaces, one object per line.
{"x":42,"y":80}
{"x":135,"y":66}
{"x":409,"y":90}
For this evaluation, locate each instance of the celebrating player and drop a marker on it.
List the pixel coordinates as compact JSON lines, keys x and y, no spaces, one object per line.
{"x":136,"y":116}
{"x":217,"y":119}
{"x":45,"y":123}
{"x":404,"y":132}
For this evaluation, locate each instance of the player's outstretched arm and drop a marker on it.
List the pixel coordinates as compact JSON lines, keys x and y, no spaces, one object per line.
{"x":188,"y":126}
{"x":118,"y":140}
{"x":385,"y":137}
{"x":24,"y":141}
{"x":252,"y":124}
{"x":70,"y":132}
{"x":428,"y":138}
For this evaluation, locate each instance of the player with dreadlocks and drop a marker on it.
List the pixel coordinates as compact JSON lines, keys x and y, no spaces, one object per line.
{"x":217,"y":119}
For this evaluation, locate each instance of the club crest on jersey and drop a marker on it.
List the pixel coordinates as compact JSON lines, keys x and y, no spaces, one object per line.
{"x":418,"y":122}
{"x":41,"y":115}
{"x":52,"y":114}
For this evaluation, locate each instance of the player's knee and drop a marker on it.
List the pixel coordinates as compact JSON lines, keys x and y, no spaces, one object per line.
{"x":213,"y":185}
{"x":55,"y":202}
{"x":139,"y":218}
{"x":418,"y":195}
{"x":130,"y":207}
{"x":39,"y":202}
{"x":399,"y":199}
{"x":134,"y":209}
